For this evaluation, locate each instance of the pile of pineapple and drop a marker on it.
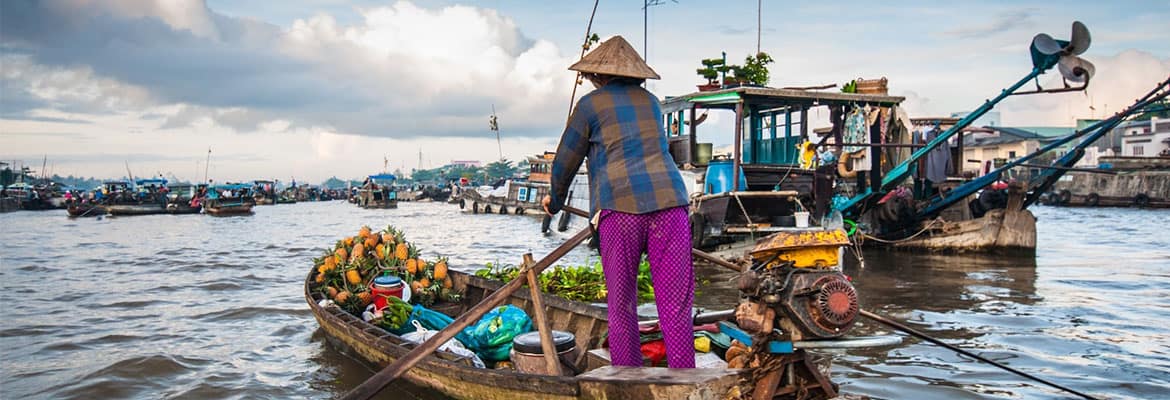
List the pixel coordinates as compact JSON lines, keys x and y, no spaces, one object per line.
{"x":344,"y":272}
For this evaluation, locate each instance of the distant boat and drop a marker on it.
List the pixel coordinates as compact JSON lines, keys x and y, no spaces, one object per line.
{"x":180,"y":199}
{"x":375,"y":195}
{"x":229,"y":199}
{"x":147,"y":200}
{"x":221,"y":210}
{"x":86,"y":210}
{"x":264,"y":192}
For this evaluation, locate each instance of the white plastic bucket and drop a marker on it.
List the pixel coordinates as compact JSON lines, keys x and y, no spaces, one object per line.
{"x":801,"y":219}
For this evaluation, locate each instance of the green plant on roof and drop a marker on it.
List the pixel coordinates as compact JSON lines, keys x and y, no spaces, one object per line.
{"x":709,"y":70}
{"x":755,"y":69}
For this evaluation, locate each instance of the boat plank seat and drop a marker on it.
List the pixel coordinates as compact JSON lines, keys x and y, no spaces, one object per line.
{"x":611,"y":382}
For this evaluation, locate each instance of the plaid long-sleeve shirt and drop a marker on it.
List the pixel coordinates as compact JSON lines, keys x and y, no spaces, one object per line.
{"x":619,"y":128}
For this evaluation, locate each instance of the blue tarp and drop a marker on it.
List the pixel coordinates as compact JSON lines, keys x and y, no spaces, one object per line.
{"x":384,"y":177}
{"x":156,"y":181}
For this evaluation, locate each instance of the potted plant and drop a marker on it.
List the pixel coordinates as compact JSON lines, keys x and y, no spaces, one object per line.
{"x":710,"y":72}
{"x":733,"y":76}
{"x":755,"y":69}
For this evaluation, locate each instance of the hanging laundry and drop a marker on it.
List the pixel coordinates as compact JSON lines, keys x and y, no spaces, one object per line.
{"x":856,"y":130}
{"x":938,"y":161}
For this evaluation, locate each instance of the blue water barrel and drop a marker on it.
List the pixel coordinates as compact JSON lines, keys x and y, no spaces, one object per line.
{"x":718,"y":178}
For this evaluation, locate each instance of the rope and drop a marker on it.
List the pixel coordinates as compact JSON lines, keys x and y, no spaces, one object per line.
{"x":924,"y":229}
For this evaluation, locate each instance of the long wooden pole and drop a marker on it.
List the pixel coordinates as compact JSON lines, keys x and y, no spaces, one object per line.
{"x":372,"y":386}
{"x":584,"y":48}
{"x":547,"y":346}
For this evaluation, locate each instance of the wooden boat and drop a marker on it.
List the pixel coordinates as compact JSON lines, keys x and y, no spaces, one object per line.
{"x":136,"y":209}
{"x":86,"y":210}
{"x":264,"y":192}
{"x":227,"y":209}
{"x":1006,"y":228}
{"x":229,"y":199}
{"x":375,"y":195}
{"x":1001,"y":230}
{"x":181,"y":208}
{"x":456,"y":377}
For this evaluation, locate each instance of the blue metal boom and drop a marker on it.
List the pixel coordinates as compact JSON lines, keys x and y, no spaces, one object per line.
{"x":1091,"y":133}
{"x":903,"y":170}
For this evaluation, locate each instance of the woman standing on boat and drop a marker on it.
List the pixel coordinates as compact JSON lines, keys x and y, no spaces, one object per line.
{"x":637,"y":198}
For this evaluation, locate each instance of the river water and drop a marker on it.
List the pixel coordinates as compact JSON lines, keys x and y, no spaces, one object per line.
{"x":203,"y":307}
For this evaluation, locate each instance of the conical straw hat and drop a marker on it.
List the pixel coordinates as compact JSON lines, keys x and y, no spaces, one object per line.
{"x":615,"y":57}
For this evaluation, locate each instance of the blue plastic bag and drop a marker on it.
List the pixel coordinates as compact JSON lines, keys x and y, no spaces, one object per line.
{"x":491,"y":337}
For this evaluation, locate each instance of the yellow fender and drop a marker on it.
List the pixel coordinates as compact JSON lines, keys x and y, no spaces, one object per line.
{"x":807,"y":151}
{"x":843,"y":166}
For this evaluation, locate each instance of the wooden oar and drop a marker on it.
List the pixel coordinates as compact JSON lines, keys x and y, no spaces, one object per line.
{"x":375,"y":383}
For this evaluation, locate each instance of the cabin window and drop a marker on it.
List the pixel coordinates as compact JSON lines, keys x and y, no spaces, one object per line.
{"x":1011,"y":154}
{"x":523,"y":195}
{"x":1137,"y":151}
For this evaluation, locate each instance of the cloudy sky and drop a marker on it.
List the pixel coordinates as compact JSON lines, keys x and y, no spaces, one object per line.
{"x":309,"y":89}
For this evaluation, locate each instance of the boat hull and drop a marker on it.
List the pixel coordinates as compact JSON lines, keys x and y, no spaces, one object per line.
{"x":182,"y":209}
{"x":229,"y":210}
{"x":135,"y":209}
{"x":999,"y":230}
{"x":86,"y":211}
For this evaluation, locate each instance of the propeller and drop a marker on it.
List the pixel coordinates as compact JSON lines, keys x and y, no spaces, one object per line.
{"x":1075,"y":69}
{"x":1048,"y":52}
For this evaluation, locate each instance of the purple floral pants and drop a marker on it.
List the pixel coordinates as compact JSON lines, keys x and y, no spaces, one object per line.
{"x":665,"y":237}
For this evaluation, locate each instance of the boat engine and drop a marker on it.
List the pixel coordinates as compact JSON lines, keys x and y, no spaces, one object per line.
{"x":795,"y":285}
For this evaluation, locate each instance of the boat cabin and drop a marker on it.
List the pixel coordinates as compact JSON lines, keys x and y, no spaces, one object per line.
{"x":770,"y":172}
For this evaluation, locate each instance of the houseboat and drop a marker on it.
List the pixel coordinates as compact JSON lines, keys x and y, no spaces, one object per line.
{"x":515,"y":196}
{"x":378,"y":192}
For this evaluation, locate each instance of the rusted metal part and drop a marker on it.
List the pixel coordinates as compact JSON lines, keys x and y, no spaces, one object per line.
{"x":805,"y":248}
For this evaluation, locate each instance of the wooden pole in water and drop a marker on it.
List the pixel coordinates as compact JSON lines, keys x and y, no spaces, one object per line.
{"x":372,"y":386}
{"x":547,"y":346}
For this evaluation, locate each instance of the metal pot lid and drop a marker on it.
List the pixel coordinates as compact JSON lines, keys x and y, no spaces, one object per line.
{"x":530,"y":342}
